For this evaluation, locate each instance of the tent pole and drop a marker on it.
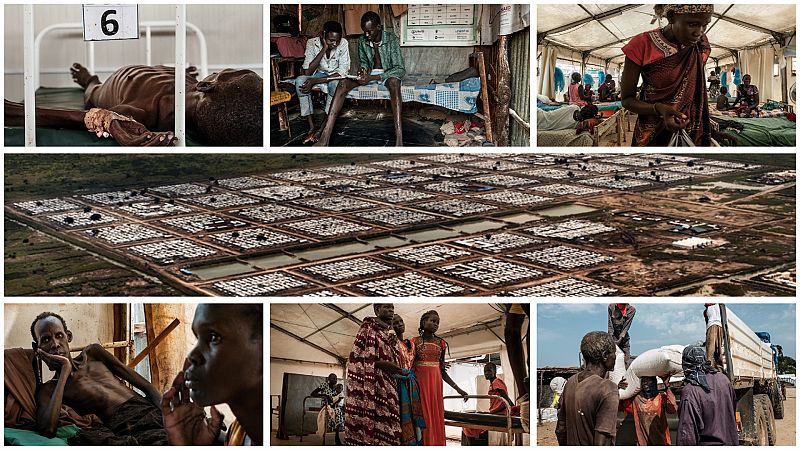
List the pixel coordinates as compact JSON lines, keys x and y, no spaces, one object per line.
{"x":503,"y":92}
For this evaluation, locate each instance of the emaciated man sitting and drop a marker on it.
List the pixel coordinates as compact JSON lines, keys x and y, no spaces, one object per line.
{"x":136,"y":106}
{"x":92,"y":383}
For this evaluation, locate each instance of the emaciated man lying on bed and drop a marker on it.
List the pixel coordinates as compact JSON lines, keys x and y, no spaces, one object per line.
{"x":91,"y":384}
{"x":136,"y":106}
{"x":380,"y":61}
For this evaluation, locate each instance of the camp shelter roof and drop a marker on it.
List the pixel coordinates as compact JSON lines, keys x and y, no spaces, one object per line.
{"x":325,"y":332}
{"x":604,"y":29}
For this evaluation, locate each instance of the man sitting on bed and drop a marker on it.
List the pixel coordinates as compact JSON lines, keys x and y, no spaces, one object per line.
{"x":225,"y":366}
{"x":136,"y":106}
{"x":92,"y":383}
{"x":497,"y":387}
{"x":380,"y":61}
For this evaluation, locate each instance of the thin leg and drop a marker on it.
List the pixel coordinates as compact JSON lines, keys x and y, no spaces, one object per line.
{"x":516,"y":354}
{"x":84,"y":79}
{"x":344,"y":87}
{"x":393,"y":84}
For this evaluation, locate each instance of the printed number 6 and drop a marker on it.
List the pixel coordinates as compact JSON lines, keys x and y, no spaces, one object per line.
{"x":109,"y":26}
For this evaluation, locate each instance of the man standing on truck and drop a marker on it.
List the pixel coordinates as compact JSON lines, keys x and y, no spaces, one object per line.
{"x":620,"y":319}
{"x":707,"y":414}
{"x":714,"y":337}
{"x":587,"y":412}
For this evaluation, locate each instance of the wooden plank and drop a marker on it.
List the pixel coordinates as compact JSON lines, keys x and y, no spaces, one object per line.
{"x":149,"y":327}
{"x":151,"y":345}
{"x":487,"y":112}
{"x":503,"y":92}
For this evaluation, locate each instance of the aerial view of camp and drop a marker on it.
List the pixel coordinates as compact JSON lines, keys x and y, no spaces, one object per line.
{"x":400,"y":225}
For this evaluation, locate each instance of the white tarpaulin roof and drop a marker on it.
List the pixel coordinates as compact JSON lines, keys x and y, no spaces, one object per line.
{"x":749,"y":26}
{"x":322,"y":332}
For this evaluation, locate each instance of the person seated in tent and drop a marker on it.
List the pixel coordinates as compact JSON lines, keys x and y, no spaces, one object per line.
{"x":577,"y":95}
{"x":327,"y":60}
{"x":92,"y":383}
{"x":328,"y":391}
{"x":713,"y":84}
{"x":607,"y":91}
{"x":225,"y":366}
{"x":136,"y":106}
{"x":567,"y":117}
{"x":746,"y":97}
{"x":497,"y":387}
{"x":587,"y":411}
{"x":670,"y":61}
{"x":723,"y":103}
{"x":380,"y":61}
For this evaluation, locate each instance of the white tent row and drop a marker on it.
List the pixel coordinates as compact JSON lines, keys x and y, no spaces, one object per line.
{"x":316,"y":339}
{"x":751,"y":36}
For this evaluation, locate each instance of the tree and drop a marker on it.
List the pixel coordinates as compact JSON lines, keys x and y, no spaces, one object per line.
{"x":786,"y":365}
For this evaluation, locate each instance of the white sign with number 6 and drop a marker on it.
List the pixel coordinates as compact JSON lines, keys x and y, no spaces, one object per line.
{"x":110,"y":22}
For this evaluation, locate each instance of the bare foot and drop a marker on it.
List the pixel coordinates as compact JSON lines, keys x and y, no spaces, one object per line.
{"x":321,"y":144}
{"x":311,"y":136}
{"x":82,"y":76}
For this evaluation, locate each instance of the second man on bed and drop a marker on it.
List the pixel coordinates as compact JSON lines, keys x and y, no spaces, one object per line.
{"x":380,"y":61}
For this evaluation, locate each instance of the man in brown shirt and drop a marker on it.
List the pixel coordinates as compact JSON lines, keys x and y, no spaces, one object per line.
{"x":587,"y":412}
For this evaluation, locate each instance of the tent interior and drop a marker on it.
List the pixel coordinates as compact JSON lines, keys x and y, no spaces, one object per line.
{"x":496,"y":97}
{"x":154,"y":339}
{"x":753,"y":39}
{"x":316,"y":340}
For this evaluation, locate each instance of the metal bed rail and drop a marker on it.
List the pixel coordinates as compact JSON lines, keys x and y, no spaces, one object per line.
{"x":509,"y":425}
{"x":148,"y":26}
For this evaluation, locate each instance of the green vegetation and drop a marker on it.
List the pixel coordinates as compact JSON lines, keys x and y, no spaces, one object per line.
{"x":786,"y":364}
{"x":36,"y":264}
{"x":36,"y":176}
{"x":786,"y":160}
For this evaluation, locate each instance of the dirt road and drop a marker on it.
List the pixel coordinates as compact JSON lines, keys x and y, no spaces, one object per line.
{"x":786,"y":427}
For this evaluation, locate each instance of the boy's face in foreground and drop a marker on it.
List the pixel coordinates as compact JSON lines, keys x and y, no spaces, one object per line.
{"x":226,"y":363}
{"x":52,"y":338}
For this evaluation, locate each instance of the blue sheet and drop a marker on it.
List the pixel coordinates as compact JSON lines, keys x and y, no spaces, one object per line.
{"x":460,"y":96}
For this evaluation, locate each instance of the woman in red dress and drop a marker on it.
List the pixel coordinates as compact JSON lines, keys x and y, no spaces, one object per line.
{"x":670,"y":61}
{"x":430,"y":371}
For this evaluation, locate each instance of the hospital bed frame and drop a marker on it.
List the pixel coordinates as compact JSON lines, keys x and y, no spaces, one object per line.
{"x":509,"y":429}
{"x":147,"y":26}
{"x":303,"y":418}
{"x":612,"y":123}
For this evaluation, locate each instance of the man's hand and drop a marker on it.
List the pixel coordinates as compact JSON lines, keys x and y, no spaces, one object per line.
{"x":665,"y":378}
{"x":184,"y":421}
{"x":59,"y":360}
{"x":725,"y":139}
{"x":674,"y":120}
{"x":325,"y":45}
{"x":310,"y":84}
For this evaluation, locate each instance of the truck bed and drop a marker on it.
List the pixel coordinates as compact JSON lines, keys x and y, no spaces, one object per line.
{"x":752,"y":358}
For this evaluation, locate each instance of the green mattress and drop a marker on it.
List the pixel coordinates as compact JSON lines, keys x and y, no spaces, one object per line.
{"x":14,"y":436}
{"x":71,"y":98}
{"x":764,"y":132}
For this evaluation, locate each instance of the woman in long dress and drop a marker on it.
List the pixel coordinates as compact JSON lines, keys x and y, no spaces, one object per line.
{"x":430,"y":371}
{"x":372,"y":408}
{"x":411,"y":421}
{"x":670,"y":61}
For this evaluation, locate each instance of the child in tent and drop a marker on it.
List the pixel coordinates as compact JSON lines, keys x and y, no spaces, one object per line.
{"x":722,"y":99}
{"x":576,"y":92}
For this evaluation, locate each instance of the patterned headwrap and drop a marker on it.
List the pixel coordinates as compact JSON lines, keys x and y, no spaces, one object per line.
{"x":687,"y":9}
{"x":696,"y":366}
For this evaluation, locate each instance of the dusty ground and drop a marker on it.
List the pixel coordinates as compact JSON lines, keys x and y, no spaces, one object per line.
{"x":546,"y":434}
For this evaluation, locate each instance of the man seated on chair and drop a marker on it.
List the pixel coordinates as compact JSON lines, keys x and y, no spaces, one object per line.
{"x":136,"y":106}
{"x":225,"y":366}
{"x":380,"y":61}
{"x":327,"y":61}
{"x":92,"y":383}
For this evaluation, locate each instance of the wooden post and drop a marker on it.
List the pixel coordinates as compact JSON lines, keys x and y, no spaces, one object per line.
{"x":503,"y":92}
{"x":151,"y":333}
{"x":172,"y":350}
